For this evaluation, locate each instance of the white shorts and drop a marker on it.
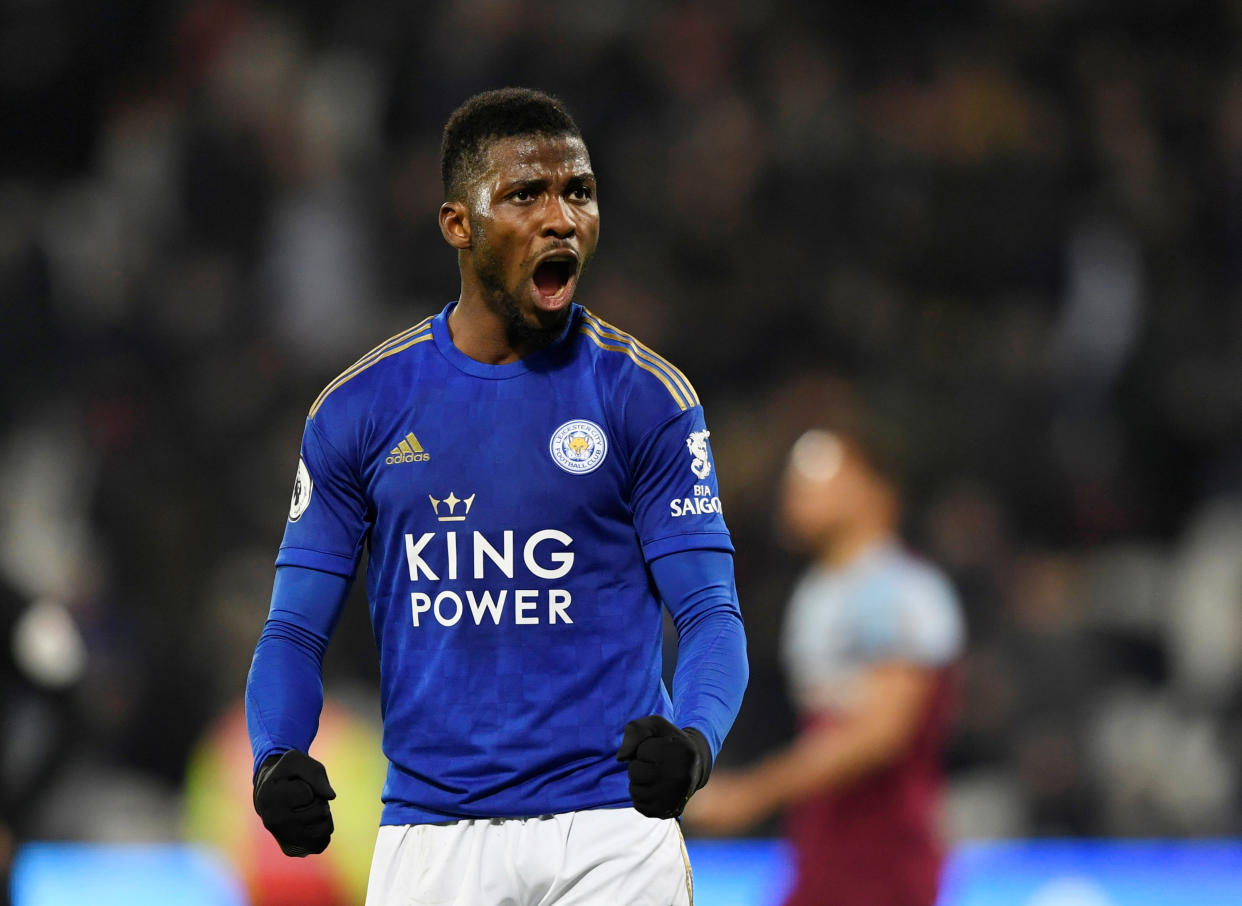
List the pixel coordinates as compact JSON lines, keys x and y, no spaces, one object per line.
{"x":614,"y":857}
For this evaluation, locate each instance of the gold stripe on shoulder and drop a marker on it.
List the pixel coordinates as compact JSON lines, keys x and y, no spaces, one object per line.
{"x":395,"y":338}
{"x":419,"y":333}
{"x":674,"y":373}
{"x":344,"y":375}
{"x":675,"y":392}
{"x":347,"y":373}
{"x":650,"y":354}
{"x":349,"y":376}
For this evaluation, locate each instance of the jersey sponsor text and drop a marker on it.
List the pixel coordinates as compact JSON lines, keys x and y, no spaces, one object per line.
{"x":487,"y":560}
{"x":703,"y":503}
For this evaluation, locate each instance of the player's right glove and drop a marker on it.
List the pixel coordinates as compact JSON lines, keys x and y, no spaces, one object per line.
{"x":668,"y":765}
{"x":291,"y":793}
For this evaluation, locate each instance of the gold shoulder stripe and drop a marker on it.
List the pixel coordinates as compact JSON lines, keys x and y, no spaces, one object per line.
{"x":366,"y":360}
{"x":674,"y":373}
{"x":651,"y":355}
{"x":675,"y":392}
{"x":352,"y":373}
{"x":396,"y":338}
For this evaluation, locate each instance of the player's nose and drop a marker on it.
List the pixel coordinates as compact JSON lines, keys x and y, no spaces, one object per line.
{"x":558,"y":222}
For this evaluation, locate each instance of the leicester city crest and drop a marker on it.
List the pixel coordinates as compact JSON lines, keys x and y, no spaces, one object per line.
{"x":578,"y":446}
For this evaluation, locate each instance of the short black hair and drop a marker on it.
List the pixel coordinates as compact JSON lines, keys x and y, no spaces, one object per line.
{"x":880,"y":442}
{"x":492,"y":115}
{"x":873,"y":424}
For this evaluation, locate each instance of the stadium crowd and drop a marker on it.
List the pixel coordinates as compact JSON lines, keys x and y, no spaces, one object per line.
{"x":1013,"y":233}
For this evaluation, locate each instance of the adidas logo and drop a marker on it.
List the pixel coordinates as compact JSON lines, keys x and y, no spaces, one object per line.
{"x":409,"y":450}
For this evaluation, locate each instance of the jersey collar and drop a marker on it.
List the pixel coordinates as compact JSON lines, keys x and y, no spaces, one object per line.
{"x":534,"y":362}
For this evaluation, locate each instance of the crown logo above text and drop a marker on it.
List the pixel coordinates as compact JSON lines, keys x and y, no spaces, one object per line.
{"x":448,"y":513}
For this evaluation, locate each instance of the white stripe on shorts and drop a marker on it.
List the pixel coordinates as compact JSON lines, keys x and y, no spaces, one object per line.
{"x":614,"y":857}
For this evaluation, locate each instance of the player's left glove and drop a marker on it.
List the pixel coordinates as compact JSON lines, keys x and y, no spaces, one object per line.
{"x":291,"y":794}
{"x":668,"y":765}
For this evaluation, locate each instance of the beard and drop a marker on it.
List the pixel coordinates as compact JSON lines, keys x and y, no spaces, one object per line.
{"x":519,"y":332}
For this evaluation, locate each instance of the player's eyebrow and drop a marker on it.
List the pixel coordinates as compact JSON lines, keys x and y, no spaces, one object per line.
{"x":532,"y":184}
{"x":539,"y":183}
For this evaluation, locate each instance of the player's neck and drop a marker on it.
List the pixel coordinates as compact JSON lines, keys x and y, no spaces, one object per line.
{"x":853,"y":541}
{"x":480,"y":333}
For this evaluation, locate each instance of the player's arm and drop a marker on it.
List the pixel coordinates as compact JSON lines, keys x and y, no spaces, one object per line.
{"x":698,"y":589}
{"x":892,"y":697}
{"x":284,"y":691}
{"x":679,"y":520}
{"x":284,"y":697}
{"x":918,"y":633}
{"x":670,"y":761}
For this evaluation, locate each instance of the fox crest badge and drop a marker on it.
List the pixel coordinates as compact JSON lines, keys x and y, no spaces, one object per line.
{"x":578,"y":446}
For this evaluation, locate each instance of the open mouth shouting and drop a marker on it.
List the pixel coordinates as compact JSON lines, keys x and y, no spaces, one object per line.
{"x":554,"y":277}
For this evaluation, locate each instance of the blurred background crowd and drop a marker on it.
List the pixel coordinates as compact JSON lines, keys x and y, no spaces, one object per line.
{"x":1010,"y":230}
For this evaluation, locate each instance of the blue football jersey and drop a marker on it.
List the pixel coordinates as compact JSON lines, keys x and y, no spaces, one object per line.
{"x":509,"y":512}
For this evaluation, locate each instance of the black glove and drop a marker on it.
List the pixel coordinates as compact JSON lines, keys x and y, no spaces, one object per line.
{"x":667,"y":765}
{"x":291,"y":793}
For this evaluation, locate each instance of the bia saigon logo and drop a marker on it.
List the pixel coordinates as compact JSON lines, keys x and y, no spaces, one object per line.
{"x":302,"y":487}
{"x":696,"y":443}
{"x":705,"y":501}
{"x":578,"y":446}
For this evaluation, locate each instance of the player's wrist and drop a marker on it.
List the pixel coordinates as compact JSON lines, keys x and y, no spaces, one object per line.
{"x":702,"y":767}
{"x":265,"y":767}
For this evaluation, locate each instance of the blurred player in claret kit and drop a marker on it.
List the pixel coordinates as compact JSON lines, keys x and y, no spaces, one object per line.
{"x":533,"y":486}
{"x":871,"y":637}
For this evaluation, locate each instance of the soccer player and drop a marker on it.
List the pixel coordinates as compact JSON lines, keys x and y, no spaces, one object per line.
{"x":533,"y":486}
{"x":871,"y":636}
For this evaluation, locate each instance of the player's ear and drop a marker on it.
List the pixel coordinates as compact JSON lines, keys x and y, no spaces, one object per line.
{"x":455,"y":224}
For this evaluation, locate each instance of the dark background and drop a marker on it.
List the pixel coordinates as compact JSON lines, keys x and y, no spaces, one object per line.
{"x":1012,"y":230}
